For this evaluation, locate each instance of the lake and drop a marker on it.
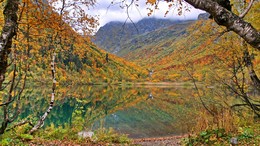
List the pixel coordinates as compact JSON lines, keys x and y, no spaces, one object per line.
{"x":140,"y":112}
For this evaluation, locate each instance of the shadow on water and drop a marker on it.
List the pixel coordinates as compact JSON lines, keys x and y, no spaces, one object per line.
{"x":137,"y":111}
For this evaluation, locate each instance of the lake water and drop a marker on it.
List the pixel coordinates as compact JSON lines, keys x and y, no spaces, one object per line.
{"x":139,"y":112}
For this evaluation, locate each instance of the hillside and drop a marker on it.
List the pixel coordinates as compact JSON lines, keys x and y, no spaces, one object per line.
{"x":86,"y":63}
{"x":169,"y":50}
{"x":78,"y":60}
{"x":201,"y":50}
{"x":148,"y":42}
{"x":124,"y":33}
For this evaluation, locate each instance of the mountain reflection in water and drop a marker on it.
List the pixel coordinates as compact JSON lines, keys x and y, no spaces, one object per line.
{"x":139,"y":112}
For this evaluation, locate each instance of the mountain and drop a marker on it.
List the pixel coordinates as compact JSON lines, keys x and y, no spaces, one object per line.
{"x":203,"y":16}
{"x":197,"y":48}
{"x":148,"y":41}
{"x":113,"y":36}
{"x":171,"y":48}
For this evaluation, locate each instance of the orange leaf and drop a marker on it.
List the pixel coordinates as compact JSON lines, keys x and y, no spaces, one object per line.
{"x":151,"y":1}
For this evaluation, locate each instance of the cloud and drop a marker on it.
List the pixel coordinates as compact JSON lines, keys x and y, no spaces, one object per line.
{"x":108,"y":12}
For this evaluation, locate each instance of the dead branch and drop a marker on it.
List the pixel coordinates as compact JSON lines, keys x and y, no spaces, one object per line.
{"x":3,"y":87}
{"x":197,"y":89}
{"x":20,"y":124}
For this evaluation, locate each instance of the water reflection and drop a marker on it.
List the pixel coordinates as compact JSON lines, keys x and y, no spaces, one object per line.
{"x":128,"y":110}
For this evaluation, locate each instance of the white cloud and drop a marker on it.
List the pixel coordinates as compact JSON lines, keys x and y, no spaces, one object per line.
{"x":108,"y":12}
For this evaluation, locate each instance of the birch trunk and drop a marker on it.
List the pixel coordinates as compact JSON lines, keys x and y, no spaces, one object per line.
{"x":7,"y":34}
{"x":41,"y":120}
{"x":230,"y":20}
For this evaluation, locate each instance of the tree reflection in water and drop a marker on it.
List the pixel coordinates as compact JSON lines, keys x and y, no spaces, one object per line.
{"x":126,"y":109}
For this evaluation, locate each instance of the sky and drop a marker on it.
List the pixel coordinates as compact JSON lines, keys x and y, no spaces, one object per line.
{"x":108,"y":12}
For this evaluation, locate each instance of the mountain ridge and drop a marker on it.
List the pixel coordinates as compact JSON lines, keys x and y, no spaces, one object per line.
{"x":123,"y":32}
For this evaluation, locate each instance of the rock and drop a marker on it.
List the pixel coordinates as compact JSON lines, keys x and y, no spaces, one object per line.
{"x":85,"y":134}
{"x":233,"y":141}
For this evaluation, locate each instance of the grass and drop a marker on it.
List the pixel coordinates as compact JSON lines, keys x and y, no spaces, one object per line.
{"x":59,"y":135}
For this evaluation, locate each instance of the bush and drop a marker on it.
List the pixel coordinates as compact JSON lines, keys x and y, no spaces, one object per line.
{"x":208,"y":137}
{"x":245,"y":136}
{"x":6,"y":142}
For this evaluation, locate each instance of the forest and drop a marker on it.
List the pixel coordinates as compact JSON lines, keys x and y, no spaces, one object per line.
{"x":66,"y":81}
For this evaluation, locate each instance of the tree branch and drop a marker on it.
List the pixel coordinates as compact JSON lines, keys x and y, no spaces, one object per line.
{"x":5,"y":86}
{"x":8,"y":102}
{"x":230,"y":20}
{"x":20,"y":124}
{"x":236,"y":105}
{"x":242,"y":15}
{"x":249,"y":65}
{"x":197,"y":89}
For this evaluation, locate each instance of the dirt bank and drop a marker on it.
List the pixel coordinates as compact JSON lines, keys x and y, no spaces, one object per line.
{"x":161,"y":141}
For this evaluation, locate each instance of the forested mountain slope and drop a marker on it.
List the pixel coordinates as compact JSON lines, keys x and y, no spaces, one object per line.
{"x":172,"y":49}
{"x":153,"y":42}
{"x":78,"y":60}
{"x":115,"y":36}
{"x":204,"y":52}
{"x":200,"y":48}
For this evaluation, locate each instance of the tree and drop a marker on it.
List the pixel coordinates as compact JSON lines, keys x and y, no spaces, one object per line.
{"x":9,"y":30}
{"x":43,"y":23}
{"x":230,"y":20}
{"x":232,"y":61}
{"x":80,"y":21}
